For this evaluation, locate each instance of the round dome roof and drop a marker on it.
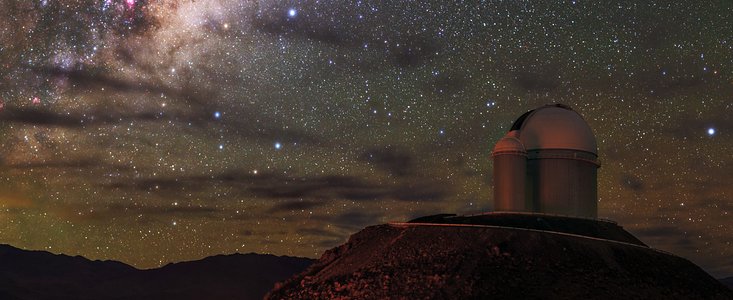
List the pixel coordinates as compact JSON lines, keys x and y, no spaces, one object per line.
{"x":555,"y":127}
{"x":509,"y":143}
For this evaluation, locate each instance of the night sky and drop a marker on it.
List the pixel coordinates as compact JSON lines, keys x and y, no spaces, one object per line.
{"x":159,"y":131}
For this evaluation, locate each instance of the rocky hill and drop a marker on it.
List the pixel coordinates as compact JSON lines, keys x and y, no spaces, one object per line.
{"x":728,"y":282}
{"x":43,"y":275}
{"x":464,"y":261}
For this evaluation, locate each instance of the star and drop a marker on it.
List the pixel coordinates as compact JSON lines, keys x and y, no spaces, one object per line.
{"x":278,"y":145}
{"x":711,"y":131}
{"x":292,"y":12}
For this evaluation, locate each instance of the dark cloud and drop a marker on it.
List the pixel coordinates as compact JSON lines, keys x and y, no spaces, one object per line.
{"x":351,"y":220}
{"x":241,"y":126}
{"x":43,"y":117}
{"x":295,"y":206}
{"x":655,"y":35}
{"x":716,"y":203}
{"x":79,"y":164}
{"x":329,"y":243}
{"x":668,"y":237}
{"x":390,"y":159}
{"x":59,"y":164}
{"x":326,"y":238}
{"x":145,"y":214}
{"x":322,"y":187}
{"x":94,"y":80}
{"x":352,"y":188}
{"x":279,"y":24}
{"x":448,"y":84}
{"x":118,"y":210}
{"x":319,"y":232}
{"x":358,"y":219}
{"x":175,"y":210}
{"x":684,"y":243}
{"x":193,"y":183}
{"x":280,"y":187}
{"x":682,"y":82}
{"x":270,"y":133}
{"x":239,"y":179}
{"x":39,"y":116}
{"x":421,"y":191}
{"x":410,"y":52}
{"x":245,"y":232}
{"x":403,"y":50}
{"x":163,"y":185}
{"x":658,"y":231}
{"x":537,"y":81}
{"x":632,"y":182}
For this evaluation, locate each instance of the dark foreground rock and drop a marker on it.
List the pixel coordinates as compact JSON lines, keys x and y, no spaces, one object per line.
{"x":728,"y":282}
{"x":42,"y":275}
{"x":410,"y":261}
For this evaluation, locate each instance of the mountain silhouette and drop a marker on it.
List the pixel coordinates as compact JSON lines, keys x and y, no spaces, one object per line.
{"x":42,"y":275}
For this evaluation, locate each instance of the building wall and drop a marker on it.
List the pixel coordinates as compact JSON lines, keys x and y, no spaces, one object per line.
{"x":562,"y":182}
{"x":509,"y":179}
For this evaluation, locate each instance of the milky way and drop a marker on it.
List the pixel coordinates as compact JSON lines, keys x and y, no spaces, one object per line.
{"x":159,"y":131}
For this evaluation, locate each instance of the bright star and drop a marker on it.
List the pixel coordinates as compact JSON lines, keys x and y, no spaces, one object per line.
{"x":292,"y":12}
{"x":711,"y":131}
{"x":221,"y":147}
{"x":278,"y":146}
{"x":217,"y":115}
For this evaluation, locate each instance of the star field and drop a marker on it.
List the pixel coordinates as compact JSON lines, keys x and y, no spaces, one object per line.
{"x":158,"y":131}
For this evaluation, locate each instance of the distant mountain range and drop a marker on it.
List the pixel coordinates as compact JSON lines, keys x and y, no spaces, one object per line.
{"x":42,"y":275}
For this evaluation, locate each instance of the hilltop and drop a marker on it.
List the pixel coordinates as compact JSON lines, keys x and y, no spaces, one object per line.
{"x":468,"y":261}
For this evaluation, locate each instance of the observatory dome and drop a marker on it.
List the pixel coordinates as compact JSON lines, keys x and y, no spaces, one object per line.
{"x":547,"y":163}
{"x":555,"y":127}
{"x":509,"y":143}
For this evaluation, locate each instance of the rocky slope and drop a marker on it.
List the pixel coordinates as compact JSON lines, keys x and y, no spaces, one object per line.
{"x":473,"y":262}
{"x":42,"y":275}
{"x":728,"y":282}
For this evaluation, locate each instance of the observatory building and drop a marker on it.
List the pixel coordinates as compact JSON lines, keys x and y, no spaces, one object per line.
{"x":547,"y":163}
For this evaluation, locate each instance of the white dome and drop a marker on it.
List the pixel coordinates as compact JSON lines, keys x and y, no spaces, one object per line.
{"x":555,"y":127}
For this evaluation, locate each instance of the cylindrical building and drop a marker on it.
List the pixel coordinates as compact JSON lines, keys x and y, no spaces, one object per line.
{"x":510,"y":164}
{"x":561,"y":164}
